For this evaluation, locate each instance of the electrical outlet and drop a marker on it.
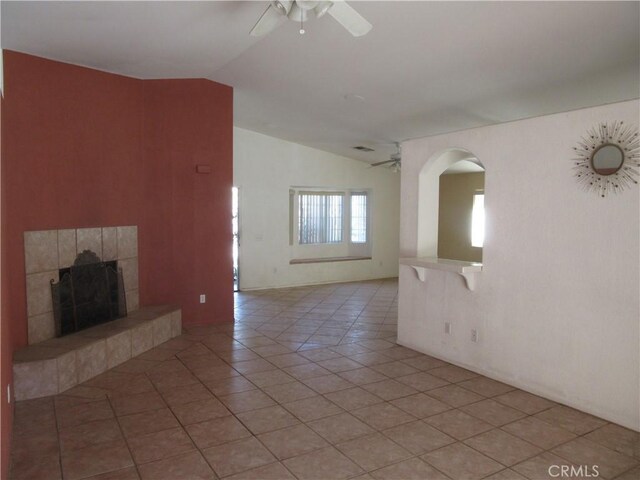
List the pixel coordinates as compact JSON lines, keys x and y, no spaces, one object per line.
{"x":203,"y":298}
{"x":447,"y":328}
{"x":474,"y":335}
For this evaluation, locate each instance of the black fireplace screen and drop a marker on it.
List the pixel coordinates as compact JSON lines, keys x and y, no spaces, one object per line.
{"x":89,"y":293}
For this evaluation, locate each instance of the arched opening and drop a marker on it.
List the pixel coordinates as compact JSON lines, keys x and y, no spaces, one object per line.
{"x":461,"y":212}
{"x":461,"y":175}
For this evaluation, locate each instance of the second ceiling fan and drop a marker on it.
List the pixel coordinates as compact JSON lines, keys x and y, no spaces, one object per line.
{"x":395,"y":160}
{"x":302,"y":10}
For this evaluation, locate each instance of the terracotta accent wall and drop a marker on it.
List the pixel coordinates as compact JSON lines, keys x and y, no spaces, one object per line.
{"x":188,"y":123}
{"x":83,"y":148}
{"x":72,"y":157}
{"x":5,"y":338}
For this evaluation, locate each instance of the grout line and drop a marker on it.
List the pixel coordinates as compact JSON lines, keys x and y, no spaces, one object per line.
{"x":124,"y":437}
{"x":318,"y":300}
{"x":234,"y":415}
{"x":55,"y":416}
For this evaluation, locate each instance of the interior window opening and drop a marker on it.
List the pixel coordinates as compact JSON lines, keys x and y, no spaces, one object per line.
{"x":461,"y":213}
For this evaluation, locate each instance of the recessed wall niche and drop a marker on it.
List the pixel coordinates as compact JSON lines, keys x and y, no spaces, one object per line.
{"x":48,"y":251}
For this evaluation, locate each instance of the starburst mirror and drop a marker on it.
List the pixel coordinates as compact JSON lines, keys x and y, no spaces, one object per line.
{"x":608,"y":158}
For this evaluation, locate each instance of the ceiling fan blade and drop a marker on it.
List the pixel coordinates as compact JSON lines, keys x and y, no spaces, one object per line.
{"x":382,"y":163}
{"x":349,"y":18}
{"x":269,"y":21}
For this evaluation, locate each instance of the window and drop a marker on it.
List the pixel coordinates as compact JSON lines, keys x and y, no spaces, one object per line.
{"x":477,"y":220}
{"x":359,"y":217}
{"x":320,"y":217}
{"x":331,"y":222}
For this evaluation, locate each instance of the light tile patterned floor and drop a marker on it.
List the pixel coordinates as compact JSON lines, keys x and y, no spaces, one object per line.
{"x":308,"y":383}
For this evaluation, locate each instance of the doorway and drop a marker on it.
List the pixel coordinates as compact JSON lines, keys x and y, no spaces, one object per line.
{"x":236,"y":237}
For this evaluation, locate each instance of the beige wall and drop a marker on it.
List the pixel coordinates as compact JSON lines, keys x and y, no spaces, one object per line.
{"x":454,"y":216}
{"x":555,"y":306}
{"x":264,"y":169}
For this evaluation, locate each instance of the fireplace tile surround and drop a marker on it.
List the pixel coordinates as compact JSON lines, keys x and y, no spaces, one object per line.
{"x":52,"y":365}
{"x":47,"y":251}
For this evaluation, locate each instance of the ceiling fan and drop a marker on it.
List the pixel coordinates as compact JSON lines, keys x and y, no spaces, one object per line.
{"x":395,"y":160}
{"x":303,"y":10}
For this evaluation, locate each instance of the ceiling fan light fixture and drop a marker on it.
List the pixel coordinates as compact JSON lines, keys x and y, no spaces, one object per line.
{"x":297,"y":14}
{"x":301,"y":10}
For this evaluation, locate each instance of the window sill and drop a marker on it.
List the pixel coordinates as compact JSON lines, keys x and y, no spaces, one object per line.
{"x":298,"y":261}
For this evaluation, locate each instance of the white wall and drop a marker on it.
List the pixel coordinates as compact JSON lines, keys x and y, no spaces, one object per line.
{"x":557,"y":304}
{"x":264,"y":169}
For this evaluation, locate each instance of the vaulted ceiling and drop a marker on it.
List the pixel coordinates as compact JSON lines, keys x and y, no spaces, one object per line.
{"x":425,"y":68}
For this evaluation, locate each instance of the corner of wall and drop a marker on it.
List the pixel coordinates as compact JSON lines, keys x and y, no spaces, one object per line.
{"x":6,"y":346}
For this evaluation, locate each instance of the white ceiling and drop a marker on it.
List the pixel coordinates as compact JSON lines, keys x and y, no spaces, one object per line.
{"x":425,"y":68}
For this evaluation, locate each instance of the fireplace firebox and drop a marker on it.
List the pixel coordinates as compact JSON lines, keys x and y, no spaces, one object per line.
{"x":89,"y":293}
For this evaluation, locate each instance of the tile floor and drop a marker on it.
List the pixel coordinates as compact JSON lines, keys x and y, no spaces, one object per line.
{"x":309,"y":384}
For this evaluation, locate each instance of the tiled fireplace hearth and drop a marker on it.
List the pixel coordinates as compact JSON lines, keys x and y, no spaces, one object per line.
{"x":59,"y":364}
{"x":51,"y":364}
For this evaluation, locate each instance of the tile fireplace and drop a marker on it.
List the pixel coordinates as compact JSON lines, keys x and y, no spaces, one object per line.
{"x":48,"y":252}
{"x":83,"y":309}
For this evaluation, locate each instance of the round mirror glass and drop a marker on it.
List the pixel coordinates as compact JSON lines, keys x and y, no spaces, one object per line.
{"x":607,"y":159}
